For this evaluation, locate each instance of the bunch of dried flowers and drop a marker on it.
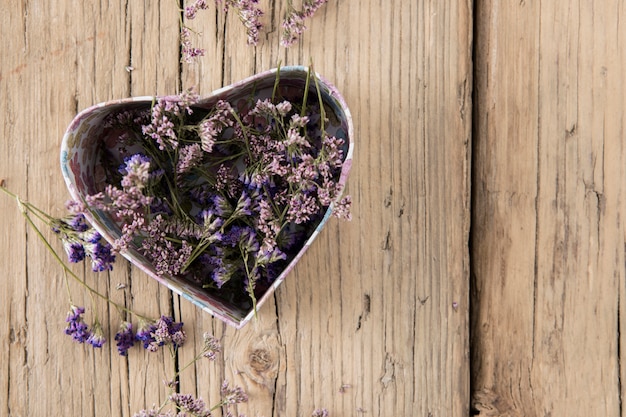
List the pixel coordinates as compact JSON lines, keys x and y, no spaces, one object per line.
{"x":222,"y":197}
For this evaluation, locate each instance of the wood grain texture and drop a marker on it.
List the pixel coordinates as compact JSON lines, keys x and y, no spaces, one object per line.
{"x":378,"y":306}
{"x":547,"y":219}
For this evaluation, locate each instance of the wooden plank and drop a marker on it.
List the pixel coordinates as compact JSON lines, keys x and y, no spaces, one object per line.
{"x":371,"y":304}
{"x":378,"y":306}
{"x":548,"y":235}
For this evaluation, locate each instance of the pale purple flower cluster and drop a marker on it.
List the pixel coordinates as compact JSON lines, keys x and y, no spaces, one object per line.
{"x":232,"y":395}
{"x":192,"y":9}
{"x":188,"y":404}
{"x":167,"y":114}
{"x":167,"y":332}
{"x":212,"y":347}
{"x":210,"y":128}
{"x":189,"y":52}
{"x":152,"y":335}
{"x":249,"y":13}
{"x":293,"y":24}
{"x":189,"y":156}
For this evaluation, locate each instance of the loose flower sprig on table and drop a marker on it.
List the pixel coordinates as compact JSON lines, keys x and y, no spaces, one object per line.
{"x":153,"y":334}
{"x":80,"y":241}
{"x":249,"y":13}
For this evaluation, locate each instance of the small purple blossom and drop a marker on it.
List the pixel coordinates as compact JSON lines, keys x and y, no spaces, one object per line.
{"x":249,"y":13}
{"x":90,"y":236}
{"x":192,"y":9}
{"x":81,"y":241}
{"x":125,"y":339}
{"x":293,"y":24}
{"x":320,"y":412}
{"x":232,"y":395}
{"x":212,"y":346}
{"x":102,"y":257}
{"x":189,"y":52}
{"x":136,"y":171}
{"x":96,"y":338}
{"x":145,"y":333}
{"x":189,"y":157}
{"x":76,"y":326}
{"x":77,"y":223}
{"x":75,"y":251}
{"x":167,"y":332}
{"x":342,"y":208}
{"x":187,"y":403}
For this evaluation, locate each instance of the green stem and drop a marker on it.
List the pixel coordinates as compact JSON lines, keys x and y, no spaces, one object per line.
{"x":67,"y":270}
{"x":276,"y":82}
{"x":306,"y":93}
{"x":250,"y":287}
{"x":322,"y":110}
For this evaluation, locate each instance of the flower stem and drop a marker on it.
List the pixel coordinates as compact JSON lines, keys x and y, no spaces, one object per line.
{"x":26,"y":209}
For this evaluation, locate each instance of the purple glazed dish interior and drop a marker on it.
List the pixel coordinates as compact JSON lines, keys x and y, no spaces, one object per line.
{"x":87,"y":138}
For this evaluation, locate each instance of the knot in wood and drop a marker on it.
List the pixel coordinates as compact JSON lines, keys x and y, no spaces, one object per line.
{"x":261,"y":360}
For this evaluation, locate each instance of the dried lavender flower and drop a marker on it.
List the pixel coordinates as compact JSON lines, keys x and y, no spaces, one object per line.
{"x":320,"y":412}
{"x":212,"y":346}
{"x":187,"y":403}
{"x":293,"y":24}
{"x":76,"y":326}
{"x":232,"y":395}
{"x":96,"y":338}
{"x":153,"y":412}
{"x":192,"y":9}
{"x":125,"y":339}
{"x":145,"y":333}
{"x":249,"y":14}
{"x":167,"y":332}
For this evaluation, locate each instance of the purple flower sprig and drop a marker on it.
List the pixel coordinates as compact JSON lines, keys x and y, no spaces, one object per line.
{"x":81,"y":241}
{"x":76,"y":326}
{"x":293,"y":24}
{"x":80,"y":331}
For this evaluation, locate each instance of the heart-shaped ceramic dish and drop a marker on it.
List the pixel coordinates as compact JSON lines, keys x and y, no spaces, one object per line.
{"x":86,"y":137}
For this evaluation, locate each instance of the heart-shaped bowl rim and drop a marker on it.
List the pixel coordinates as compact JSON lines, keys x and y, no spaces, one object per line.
{"x":82,"y":133}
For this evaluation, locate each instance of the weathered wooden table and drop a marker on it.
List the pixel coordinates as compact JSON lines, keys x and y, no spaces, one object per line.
{"x":483,"y":271}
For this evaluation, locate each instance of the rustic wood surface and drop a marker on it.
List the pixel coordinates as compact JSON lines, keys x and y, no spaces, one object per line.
{"x":374,"y":321}
{"x":549,"y":196}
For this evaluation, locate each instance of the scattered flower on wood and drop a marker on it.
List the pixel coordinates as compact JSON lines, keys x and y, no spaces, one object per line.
{"x":250,"y":14}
